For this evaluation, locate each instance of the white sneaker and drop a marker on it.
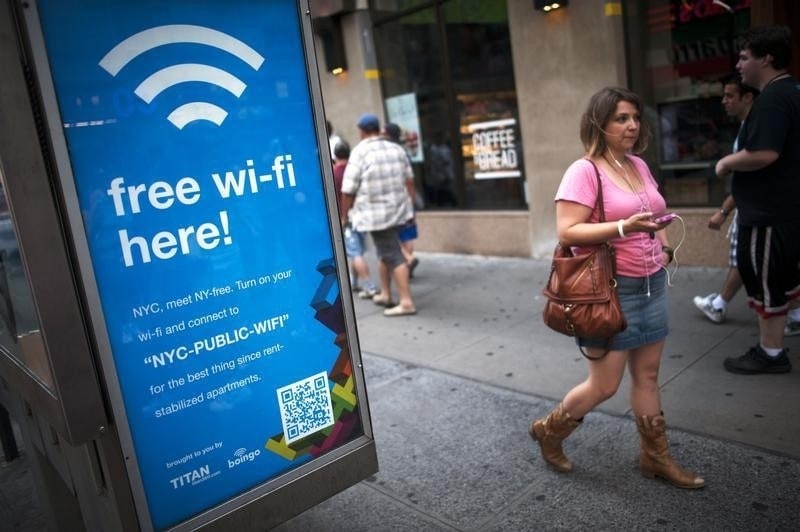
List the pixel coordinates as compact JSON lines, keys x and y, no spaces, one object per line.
{"x":792,"y":327}
{"x":704,"y":304}
{"x":368,"y":293}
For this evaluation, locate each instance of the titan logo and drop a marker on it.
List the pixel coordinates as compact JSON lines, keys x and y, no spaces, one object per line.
{"x":192,"y":477}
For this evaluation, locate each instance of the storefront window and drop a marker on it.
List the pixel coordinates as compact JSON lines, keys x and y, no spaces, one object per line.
{"x":448,"y":81}
{"x":679,"y":52}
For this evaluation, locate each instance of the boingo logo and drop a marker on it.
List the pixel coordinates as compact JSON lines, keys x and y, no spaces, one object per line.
{"x":242,"y":456}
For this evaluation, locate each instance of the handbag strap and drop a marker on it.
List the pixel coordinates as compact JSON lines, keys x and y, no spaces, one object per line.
{"x":602,"y":215}
{"x":600,"y":206}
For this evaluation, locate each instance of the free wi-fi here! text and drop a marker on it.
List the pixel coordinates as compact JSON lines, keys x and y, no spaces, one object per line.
{"x":133,"y":199}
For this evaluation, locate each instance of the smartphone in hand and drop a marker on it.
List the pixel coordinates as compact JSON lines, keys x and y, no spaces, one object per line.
{"x":666,"y":218}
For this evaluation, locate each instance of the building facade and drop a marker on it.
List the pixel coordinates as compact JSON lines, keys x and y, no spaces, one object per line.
{"x":489,"y":94}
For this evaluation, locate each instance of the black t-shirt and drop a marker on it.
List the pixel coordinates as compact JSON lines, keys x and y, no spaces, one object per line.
{"x":771,"y":196}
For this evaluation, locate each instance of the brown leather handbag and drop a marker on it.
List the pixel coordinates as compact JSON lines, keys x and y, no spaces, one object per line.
{"x":581,"y":293}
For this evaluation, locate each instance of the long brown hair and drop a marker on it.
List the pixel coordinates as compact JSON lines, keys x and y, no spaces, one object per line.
{"x":601,"y":109}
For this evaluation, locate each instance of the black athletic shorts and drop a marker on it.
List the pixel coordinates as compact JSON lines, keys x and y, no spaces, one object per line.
{"x":769,"y":263}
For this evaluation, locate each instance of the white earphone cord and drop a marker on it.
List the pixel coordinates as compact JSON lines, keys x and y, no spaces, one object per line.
{"x":674,"y":254}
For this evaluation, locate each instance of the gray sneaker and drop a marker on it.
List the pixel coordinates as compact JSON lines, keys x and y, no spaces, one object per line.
{"x":704,"y":304}
{"x":792,"y":327}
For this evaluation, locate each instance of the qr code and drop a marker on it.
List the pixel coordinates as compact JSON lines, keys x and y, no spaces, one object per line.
{"x":305,"y":406}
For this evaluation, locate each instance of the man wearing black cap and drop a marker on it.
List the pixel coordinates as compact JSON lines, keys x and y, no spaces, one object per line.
{"x":377,"y":194}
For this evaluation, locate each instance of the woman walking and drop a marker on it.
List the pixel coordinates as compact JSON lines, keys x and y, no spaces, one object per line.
{"x":611,"y":132}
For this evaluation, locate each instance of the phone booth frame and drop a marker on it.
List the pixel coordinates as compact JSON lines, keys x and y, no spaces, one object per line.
{"x":64,"y":380}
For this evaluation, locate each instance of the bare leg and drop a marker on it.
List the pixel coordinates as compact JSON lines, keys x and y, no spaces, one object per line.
{"x":602,"y":383}
{"x":643,"y":367}
{"x":386,"y":286}
{"x":407,"y":248}
{"x":771,"y":331}
{"x":400,"y":275}
{"x":361,"y":270}
{"x":733,"y":282}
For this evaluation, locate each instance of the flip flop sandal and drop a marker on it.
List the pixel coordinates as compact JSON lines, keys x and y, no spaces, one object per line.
{"x":382,"y":302}
{"x":399,"y":311}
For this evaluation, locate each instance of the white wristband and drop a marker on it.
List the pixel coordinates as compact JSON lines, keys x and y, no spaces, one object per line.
{"x":620,"y":230}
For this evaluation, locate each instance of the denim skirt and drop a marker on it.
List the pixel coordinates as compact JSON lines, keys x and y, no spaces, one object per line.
{"x":645,"y":310}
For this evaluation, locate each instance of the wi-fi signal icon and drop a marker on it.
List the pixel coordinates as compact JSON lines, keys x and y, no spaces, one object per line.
{"x":144,"y":41}
{"x":239,"y":452}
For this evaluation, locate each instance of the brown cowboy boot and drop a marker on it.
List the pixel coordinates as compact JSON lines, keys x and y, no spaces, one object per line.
{"x":549,"y":432}
{"x":655,"y":460}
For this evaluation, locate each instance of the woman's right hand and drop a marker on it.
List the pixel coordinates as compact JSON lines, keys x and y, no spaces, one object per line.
{"x":642,"y":223}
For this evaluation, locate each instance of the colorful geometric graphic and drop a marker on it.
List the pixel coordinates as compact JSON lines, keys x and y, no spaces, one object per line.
{"x":328,"y":304}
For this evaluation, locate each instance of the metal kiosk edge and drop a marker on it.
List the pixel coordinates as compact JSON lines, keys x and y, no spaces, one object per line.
{"x":90,"y":408}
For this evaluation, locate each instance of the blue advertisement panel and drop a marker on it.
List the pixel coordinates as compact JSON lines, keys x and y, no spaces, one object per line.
{"x":191,"y":138}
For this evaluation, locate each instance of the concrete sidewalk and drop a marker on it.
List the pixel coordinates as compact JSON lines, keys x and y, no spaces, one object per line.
{"x":453,"y":389}
{"x":480,"y":318}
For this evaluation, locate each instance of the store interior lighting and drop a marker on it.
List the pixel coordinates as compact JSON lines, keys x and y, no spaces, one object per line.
{"x":549,"y":5}
{"x":329,"y":30}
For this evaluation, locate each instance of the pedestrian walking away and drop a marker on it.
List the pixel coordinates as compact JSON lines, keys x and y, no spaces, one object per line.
{"x":354,"y":243}
{"x":612,"y":132}
{"x":737,"y":99}
{"x":408,"y":233}
{"x":766,"y":190}
{"x":377,"y":193}
{"x":333,"y":138}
